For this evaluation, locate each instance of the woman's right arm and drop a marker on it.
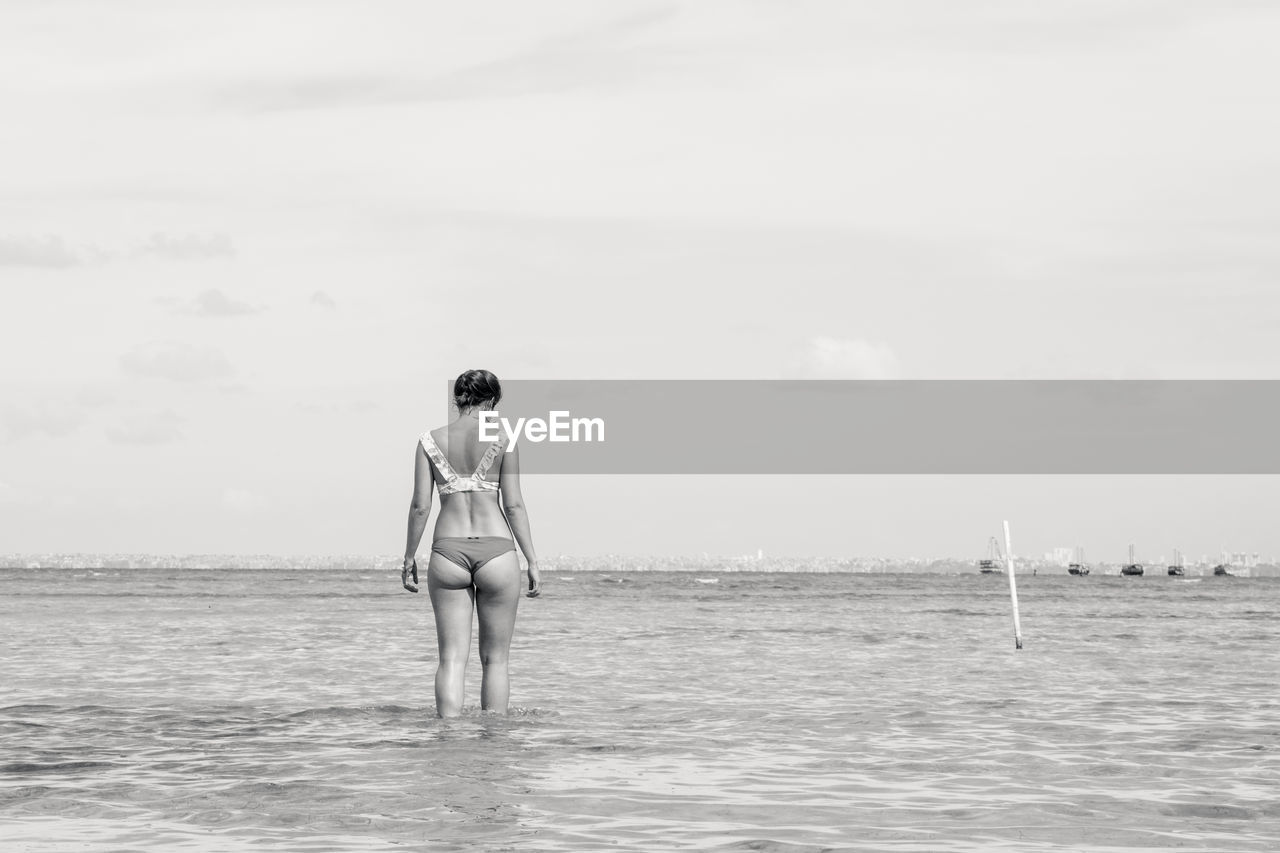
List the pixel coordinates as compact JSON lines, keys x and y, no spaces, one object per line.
{"x":517,"y":517}
{"x":419,"y":511}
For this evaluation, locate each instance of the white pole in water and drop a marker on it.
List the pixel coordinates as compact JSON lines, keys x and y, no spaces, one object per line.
{"x":1013,"y":587}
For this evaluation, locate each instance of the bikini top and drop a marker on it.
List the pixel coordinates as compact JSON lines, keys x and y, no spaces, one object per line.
{"x":476,"y":482}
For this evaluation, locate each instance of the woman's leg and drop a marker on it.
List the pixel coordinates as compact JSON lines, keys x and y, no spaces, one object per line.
{"x":497,"y":595}
{"x":452,"y":599}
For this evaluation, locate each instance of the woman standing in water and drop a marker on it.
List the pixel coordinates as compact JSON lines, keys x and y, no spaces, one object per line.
{"x":473,"y":561}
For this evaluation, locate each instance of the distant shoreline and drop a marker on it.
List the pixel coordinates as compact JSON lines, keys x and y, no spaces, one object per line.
{"x":596,"y":564}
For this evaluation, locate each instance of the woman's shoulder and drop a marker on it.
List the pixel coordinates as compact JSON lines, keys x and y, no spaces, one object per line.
{"x":433,"y":437}
{"x":442,"y":438}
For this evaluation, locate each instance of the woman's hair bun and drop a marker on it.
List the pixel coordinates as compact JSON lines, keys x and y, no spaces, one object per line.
{"x":474,"y":387}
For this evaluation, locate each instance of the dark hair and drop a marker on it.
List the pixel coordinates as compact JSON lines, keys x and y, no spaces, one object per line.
{"x":474,"y":387}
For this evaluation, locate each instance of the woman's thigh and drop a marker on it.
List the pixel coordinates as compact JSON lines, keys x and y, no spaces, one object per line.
{"x":497,"y":597}
{"x":452,"y":599}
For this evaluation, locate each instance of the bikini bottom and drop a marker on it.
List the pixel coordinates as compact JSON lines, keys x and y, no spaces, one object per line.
{"x":472,"y":552}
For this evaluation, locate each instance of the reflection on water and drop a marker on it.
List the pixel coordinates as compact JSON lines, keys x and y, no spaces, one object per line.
{"x":777,"y":712}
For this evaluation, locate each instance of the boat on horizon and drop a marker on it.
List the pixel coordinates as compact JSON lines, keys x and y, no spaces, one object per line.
{"x":1133,"y":568}
{"x":1177,"y":570}
{"x":1220,"y":571}
{"x":991,"y":565}
{"x":1078,"y":567}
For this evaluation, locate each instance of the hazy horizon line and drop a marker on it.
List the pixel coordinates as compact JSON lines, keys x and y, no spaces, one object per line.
{"x":705,"y":556}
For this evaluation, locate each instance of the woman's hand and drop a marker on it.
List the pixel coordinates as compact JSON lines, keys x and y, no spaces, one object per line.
{"x":409,"y":574}
{"x":535,"y":581}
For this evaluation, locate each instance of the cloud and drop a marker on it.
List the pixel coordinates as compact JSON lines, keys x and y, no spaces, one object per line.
{"x":833,"y":358}
{"x":160,"y":428}
{"x":9,"y":495}
{"x":215,"y":303}
{"x":177,"y":362}
{"x":600,"y":56}
{"x":53,"y":418}
{"x":323,"y":300}
{"x":187,"y":247}
{"x":61,"y":411}
{"x":47,"y":252}
{"x":603,"y":55}
{"x":53,"y":252}
{"x":242,"y":500}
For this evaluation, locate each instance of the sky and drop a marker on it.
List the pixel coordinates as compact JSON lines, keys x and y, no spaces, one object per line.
{"x":242,"y":245}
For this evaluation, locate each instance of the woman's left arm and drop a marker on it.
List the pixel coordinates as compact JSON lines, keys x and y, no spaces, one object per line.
{"x":419,"y":510}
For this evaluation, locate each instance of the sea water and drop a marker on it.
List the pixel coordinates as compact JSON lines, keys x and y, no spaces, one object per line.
{"x":290,"y":710}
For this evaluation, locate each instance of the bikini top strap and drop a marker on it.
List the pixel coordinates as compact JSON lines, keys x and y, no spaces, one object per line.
{"x":434,"y":454}
{"x":482,"y":470}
